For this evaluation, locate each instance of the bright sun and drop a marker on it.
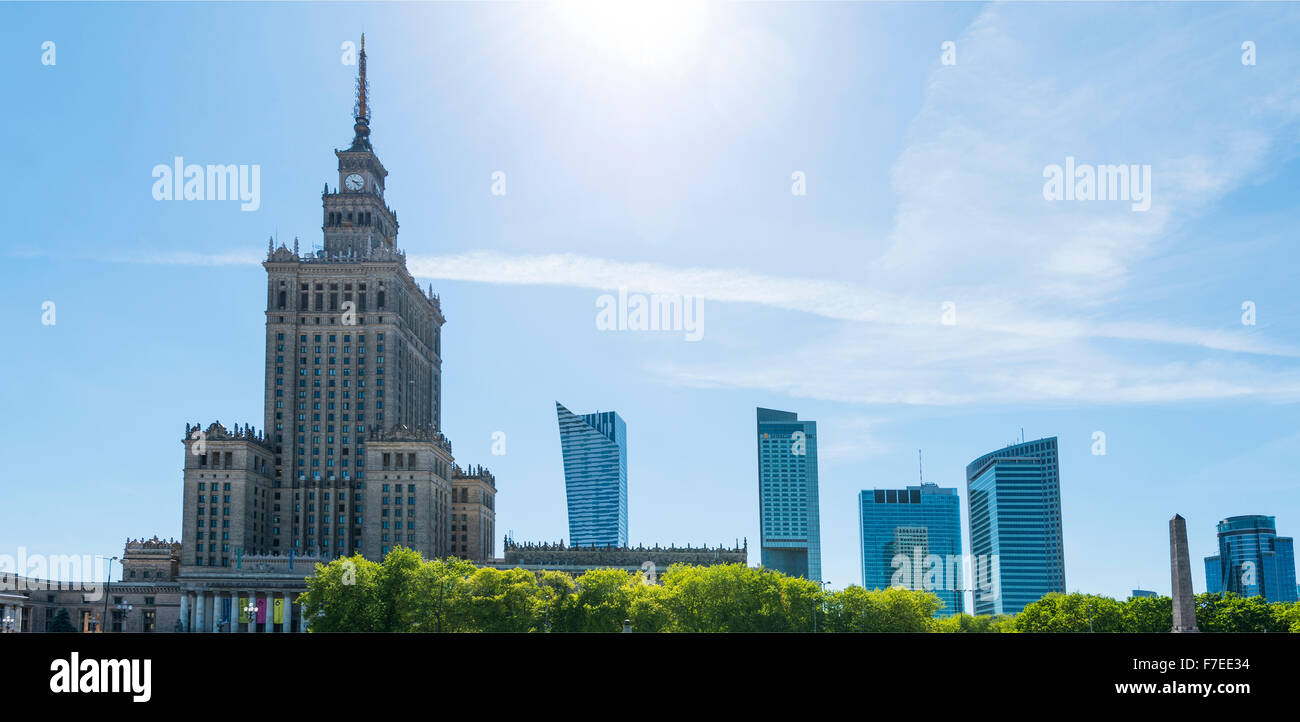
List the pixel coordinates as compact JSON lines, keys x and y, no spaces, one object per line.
{"x":661,"y":37}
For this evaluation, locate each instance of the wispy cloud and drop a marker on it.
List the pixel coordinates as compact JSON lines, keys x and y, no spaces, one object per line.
{"x":828,"y":299}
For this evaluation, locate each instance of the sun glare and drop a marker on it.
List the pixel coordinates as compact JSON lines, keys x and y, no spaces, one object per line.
{"x":662,"y":37}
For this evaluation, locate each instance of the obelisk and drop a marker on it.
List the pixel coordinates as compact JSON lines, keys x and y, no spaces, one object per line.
{"x":1181,"y":572}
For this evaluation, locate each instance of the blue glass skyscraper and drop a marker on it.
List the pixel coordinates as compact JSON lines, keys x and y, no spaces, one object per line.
{"x":1017,"y":548}
{"x":595,"y":476}
{"x":912,"y":538}
{"x":1252,"y":560}
{"x":789,"y":519}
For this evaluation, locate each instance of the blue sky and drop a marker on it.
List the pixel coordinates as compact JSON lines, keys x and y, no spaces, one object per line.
{"x":654,"y":150}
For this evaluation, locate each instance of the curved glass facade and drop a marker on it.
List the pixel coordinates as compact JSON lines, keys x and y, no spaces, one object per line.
{"x":1252,"y":560}
{"x":1015,"y":526}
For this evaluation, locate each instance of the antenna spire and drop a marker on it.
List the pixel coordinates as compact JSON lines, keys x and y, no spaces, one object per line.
{"x":361,"y":111}
{"x":920,"y":470}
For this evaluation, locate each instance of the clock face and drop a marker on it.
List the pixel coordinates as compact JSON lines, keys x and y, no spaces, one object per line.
{"x":354,"y":182}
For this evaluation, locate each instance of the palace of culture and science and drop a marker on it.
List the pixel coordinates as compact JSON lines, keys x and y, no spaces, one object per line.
{"x":351,"y":460}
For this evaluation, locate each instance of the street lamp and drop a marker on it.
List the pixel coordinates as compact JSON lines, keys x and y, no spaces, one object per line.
{"x":821,"y":586}
{"x":9,"y":623}
{"x":108,"y":585}
{"x":251,"y":612}
{"x":122,"y":610}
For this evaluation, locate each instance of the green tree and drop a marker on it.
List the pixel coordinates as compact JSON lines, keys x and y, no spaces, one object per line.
{"x":650,"y":610}
{"x":342,"y":597}
{"x":976,"y":624}
{"x":441,"y":597}
{"x":557,"y":600}
{"x":1071,"y":613}
{"x":399,"y":590}
{"x":505,"y":601}
{"x":1230,"y":612}
{"x":1147,"y":614}
{"x":603,"y":600}
{"x":854,"y":609}
{"x":62,"y":622}
{"x":731,"y":598}
{"x":1289,"y":616}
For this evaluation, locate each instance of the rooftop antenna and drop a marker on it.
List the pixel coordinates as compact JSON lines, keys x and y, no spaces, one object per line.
{"x":1022,"y":434}
{"x":920,"y":470}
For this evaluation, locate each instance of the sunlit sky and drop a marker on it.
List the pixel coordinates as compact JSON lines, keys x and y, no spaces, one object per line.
{"x":654,"y":149}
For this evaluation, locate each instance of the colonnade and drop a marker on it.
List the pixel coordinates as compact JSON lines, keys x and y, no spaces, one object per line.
{"x":206,"y":611}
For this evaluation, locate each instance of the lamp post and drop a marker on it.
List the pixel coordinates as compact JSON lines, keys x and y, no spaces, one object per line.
{"x":108,"y":587}
{"x":251,"y":612}
{"x":122,"y":611}
{"x":821,"y":586}
{"x":9,"y":623}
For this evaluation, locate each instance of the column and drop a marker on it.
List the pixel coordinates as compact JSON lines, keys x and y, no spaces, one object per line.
{"x":18,"y":624}
{"x":216,"y":612}
{"x":4,"y":614}
{"x":270,"y":613}
{"x":185,"y":611}
{"x":286,"y":623}
{"x":302,"y":619}
{"x":199,"y":603}
{"x":252,"y":618}
{"x":234,"y":611}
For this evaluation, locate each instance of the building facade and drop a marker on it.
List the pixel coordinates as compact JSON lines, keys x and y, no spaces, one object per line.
{"x":594,"y":447}
{"x":912,"y":538}
{"x":650,"y":562}
{"x":1017,"y":546}
{"x":473,"y":513}
{"x":145,"y":601}
{"x":352,"y":459}
{"x":788,"y":505}
{"x":1252,"y":560}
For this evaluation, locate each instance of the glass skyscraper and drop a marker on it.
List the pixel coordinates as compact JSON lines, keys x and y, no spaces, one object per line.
{"x":912,"y":537}
{"x":595,"y":476}
{"x":1016,"y":542}
{"x":1252,"y":560}
{"x":787,"y":494}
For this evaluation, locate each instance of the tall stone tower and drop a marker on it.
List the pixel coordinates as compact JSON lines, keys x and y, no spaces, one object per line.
{"x":353,"y":353}
{"x":1180,"y":570}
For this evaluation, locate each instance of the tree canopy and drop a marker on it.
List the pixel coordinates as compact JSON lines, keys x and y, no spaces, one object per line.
{"x":406,"y":593}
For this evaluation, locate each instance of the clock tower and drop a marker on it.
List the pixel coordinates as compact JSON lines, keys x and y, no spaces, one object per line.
{"x":356,"y":218}
{"x":354,"y":379}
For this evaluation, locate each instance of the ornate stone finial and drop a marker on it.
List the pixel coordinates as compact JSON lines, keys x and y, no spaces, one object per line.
{"x":295,"y":245}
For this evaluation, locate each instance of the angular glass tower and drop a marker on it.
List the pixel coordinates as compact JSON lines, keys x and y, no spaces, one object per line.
{"x":1252,"y":560}
{"x":787,"y":494}
{"x":595,"y":476}
{"x":912,"y":537}
{"x":1015,"y":526}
